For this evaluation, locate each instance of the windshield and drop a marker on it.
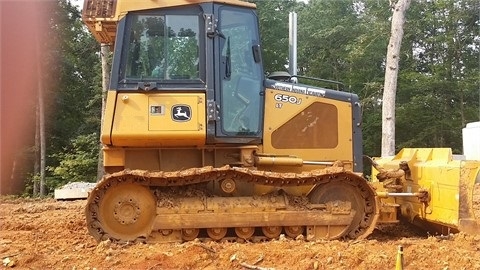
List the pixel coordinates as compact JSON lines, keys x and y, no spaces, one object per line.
{"x":163,"y":47}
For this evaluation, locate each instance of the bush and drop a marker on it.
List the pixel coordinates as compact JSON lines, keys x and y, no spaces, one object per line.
{"x":78,"y":163}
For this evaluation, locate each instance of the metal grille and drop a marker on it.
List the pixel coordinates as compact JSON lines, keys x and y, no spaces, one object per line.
{"x":99,"y":8}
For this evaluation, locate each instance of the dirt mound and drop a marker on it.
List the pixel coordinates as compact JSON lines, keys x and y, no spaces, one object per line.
{"x":46,"y":234}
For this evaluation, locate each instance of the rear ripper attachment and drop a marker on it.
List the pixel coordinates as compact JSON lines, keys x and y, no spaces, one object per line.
{"x":183,"y":205}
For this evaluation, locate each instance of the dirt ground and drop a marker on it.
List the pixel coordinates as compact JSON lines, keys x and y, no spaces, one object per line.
{"x":46,"y":234}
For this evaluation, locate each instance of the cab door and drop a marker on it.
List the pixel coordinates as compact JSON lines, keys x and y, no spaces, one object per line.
{"x":239,"y":85}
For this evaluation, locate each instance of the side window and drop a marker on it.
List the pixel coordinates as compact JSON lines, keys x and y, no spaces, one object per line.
{"x":163,"y":47}
{"x":241,"y":75}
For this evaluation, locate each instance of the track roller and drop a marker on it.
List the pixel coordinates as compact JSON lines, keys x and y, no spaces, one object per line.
{"x":190,"y":234}
{"x":272,"y":231}
{"x":293,"y":231}
{"x":244,"y":232}
{"x":217,"y":233}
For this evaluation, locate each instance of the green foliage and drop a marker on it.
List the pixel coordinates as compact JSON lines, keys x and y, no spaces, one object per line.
{"x":157,"y":51}
{"x":438,"y":82}
{"x":273,"y":20}
{"x":72,"y":76}
{"x":78,"y":161}
{"x":183,"y":55}
{"x":77,"y":72}
{"x":32,"y":178}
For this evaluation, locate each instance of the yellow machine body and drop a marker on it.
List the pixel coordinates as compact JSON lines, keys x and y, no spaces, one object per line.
{"x":297,"y":131}
{"x":139,"y":120}
{"x":131,"y":127}
{"x":452,"y":186}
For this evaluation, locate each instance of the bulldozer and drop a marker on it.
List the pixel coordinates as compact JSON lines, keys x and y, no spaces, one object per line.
{"x":199,"y":143}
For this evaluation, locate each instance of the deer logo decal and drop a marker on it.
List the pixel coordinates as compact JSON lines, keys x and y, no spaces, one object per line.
{"x":181,"y":113}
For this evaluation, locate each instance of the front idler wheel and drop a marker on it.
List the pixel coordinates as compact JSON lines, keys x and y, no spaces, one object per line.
{"x":127,"y":212}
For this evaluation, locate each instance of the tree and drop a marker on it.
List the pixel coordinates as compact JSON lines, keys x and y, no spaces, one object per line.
{"x":273,"y":20}
{"x":391,"y":73}
{"x":439,"y":75}
{"x":106,"y":68}
{"x":20,"y":61}
{"x":41,"y":123}
{"x":76,"y":109}
{"x":327,"y":29}
{"x":77,"y":161}
{"x":69,"y":99}
{"x":36,"y":153}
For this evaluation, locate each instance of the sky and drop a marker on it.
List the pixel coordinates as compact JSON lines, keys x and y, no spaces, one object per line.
{"x":78,"y":3}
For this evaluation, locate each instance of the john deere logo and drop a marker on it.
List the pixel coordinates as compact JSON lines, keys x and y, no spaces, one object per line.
{"x":181,"y":113}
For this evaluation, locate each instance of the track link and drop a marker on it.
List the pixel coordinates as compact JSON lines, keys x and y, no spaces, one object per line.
{"x":137,"y":205}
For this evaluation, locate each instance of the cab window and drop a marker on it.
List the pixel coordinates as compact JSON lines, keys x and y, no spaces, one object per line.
{"x":163,"y":47}
{"x":241,"y":75}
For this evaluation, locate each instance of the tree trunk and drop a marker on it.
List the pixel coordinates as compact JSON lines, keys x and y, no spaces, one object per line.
{"x":462,"y":108}
{"x":41,"y":112}
{"x":43,"y":151}
{"x":36,"y":164}
{"x":105,"y":55}
{"x":391,"y":73}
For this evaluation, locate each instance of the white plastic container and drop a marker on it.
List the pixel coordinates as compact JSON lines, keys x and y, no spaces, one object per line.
{"x":471,"y":141}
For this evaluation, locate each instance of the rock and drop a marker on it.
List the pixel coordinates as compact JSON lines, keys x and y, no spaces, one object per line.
{"x":8,"y":263}
{"x":109,"y":252}
{"x":5,"y":241}
{"x":310,"y":237}
{"x":102,"y":246}
{"x":75,"y":190}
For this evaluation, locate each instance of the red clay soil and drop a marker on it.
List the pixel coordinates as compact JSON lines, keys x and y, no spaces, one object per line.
{"x":46,"y":234}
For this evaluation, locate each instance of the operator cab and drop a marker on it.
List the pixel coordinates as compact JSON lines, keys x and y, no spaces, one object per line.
{"x":207,"y":48}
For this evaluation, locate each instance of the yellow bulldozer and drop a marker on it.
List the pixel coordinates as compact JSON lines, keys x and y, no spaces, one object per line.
{"x":198,"y":143}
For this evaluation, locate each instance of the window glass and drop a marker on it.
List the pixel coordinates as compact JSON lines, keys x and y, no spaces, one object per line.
{"x":241,"y":75}
{"x":163,"y":47}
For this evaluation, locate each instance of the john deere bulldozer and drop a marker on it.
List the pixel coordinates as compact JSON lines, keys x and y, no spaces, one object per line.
{"x":198,"y":143}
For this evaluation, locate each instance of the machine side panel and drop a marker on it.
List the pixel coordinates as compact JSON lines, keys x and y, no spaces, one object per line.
{"x":310,"y":127}
{"x":159,"y":119}
{"x":108,"y":118}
